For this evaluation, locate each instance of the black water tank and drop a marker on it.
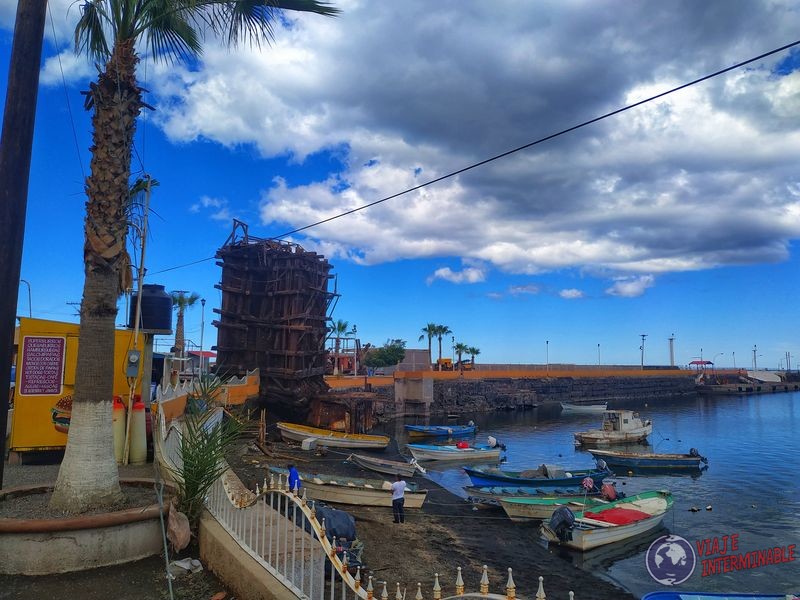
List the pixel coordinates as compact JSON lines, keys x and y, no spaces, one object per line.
{"x":156,"y":309}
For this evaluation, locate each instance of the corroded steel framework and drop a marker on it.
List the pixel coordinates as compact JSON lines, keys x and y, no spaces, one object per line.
{"x":273,"y":316}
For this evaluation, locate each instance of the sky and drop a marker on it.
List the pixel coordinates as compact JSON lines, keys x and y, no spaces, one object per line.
{"x":680,"y":217}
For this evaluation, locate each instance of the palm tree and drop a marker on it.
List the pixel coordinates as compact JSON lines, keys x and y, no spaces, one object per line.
{"x":339,"y":330}
{"x":110,"y":32}
{"x":441,"y":331}
{"x":181,"y":302}
{"x":429,"y":331}
{"x":461,"y":349}
{"x":473,"y":352}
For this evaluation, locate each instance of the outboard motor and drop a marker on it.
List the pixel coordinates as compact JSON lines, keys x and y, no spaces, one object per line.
{"x":493,"y":443}
{"x":694,"y":452}
{"x":602,"y":465}
{"x":561,"y":523}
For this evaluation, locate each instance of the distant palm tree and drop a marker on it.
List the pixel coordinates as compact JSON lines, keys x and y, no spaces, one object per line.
{"x":441,"y":331}
{"x":180,"y":302}
{"x":473,"y":352}
{"x":461,"y":349}
{"x":429,"y":331}
{"x":339,"y":330}
{"x":112,"y":33}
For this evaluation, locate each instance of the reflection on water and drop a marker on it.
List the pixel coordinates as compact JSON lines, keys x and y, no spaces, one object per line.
{"x":750,"y":484}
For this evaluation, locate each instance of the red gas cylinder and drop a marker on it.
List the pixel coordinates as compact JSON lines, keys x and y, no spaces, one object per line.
{"x":118,"y":424}
{"x":462,"y":445}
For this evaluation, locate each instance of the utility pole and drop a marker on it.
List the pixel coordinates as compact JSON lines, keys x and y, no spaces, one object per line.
{"x":755,"y":362}
{"x":643,"y":335}
{"x":733,"y":354}
{"x":547,"y":354}
{"x":15,"y":165}
{"x":598,"y":355}
{"x":202,"y":331}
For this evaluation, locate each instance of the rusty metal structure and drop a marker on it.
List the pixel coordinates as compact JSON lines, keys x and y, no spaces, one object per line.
{"x":273,"y":316}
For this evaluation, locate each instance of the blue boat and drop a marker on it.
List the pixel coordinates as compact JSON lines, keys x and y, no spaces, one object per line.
{"x":545,"y":476}
{"x":702,"y":596}
{"x":440,"y":430}
{"x":638,"y":460}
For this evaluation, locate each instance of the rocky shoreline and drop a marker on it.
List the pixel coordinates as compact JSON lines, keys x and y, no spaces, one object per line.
{"x":448,"y":532}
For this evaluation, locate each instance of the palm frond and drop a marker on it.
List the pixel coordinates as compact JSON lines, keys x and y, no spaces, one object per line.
{"x":171,"y":28}
{"x":90,"y":32}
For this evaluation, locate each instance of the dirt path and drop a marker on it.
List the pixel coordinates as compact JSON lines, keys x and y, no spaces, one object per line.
{"x":445,"y":534}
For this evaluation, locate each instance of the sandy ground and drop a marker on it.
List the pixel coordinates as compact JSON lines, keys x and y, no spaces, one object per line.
{"x":446,"y":533}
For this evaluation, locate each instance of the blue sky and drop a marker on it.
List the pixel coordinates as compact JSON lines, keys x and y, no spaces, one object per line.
{"x":679,"y":217}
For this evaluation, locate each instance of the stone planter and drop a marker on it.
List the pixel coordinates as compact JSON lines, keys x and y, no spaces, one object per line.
{"x":46,"y":546}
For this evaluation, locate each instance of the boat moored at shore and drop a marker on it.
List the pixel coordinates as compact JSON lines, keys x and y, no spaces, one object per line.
{"x":325,"y":437}
{"x":643,"y":461}
{"x":618,"y":427}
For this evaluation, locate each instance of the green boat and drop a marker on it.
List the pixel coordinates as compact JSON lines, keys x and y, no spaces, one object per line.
{"x":539,"y":508}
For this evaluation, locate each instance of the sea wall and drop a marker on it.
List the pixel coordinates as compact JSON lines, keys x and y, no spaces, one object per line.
{"x":457,"y":396}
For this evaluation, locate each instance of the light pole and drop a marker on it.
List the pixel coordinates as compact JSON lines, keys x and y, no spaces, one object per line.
{"x":733,"y":354}
{"x":672,"y":350}
{"x":30,"y":309}
{"x":202,"y":331}
{"x":453,"y":346}
{"x":755,"y":362}
{"x":598,"y":355}
{"x":643,"y":336}
{"x":547,"y":355}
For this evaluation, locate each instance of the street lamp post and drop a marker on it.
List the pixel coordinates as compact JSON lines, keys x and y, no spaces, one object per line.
{"x":643,"y":335}
{"x":755,"y":362}
{"x":453,"y":345}
{"x":30,"y":306}
{"x":598,"y":355}
{"x":547,"y":355}
{"x":733,"y":355}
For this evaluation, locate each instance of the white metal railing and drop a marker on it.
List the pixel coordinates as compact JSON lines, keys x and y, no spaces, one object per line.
{"x":279,"y":529}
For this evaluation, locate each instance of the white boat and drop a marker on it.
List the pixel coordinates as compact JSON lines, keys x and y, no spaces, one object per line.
{"x":454,"y":452}
{"x":350,"y":490}
{"x":619,"y":427}
{"x":326,"y":437}
{"x":390,"y":467}
{"x":539,"y":508}
{"x":612,"y":522}
{"x":568,"y":408}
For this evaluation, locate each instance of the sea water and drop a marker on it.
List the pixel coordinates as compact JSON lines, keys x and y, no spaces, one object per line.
{"x":747,"y":500}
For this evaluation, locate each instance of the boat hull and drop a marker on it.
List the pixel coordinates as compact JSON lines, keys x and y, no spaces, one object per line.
{"x":542,"y":507}
{"x":497,"y":493}
{"x":482,"y":478}
{"x":632,"y":460}
{"x":598,"y":437}
{"x":335,"y":439}
{"x":422,"y":452}
{"x":583,"y":408}
{"x":419,"y":431}
{"x":389,"y":467}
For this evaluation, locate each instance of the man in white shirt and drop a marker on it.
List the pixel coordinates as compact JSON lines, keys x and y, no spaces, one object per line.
{"x":398,"y":499}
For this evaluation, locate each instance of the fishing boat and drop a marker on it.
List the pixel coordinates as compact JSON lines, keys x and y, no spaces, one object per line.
{"x":646,"y":460}
{"x":325,"y":437}
{"x":613,"y":522}
{"x":457,"y":452}
{"x":709,"y":596}
{"x":547,"y":476}
{"x":494,"y":494}
{"x":539,"y":508}
{"x":390,"y":467}
{"x":575,"y":409}
{"x":440,"y":430}
{"x":339,"y":489}
{"x":618,"y":427}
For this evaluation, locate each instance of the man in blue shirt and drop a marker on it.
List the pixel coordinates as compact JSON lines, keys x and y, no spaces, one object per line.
{"x":294,"y":479}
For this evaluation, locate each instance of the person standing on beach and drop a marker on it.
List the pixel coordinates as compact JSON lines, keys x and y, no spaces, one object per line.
{"x":294,"y":479}
{"x":398,"y":499}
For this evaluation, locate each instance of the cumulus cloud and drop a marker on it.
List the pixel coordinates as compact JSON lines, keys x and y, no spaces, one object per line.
{"x":517,"y":290}
{"x":571,"y":293}
{"x":218,"y":209}
{"x":466,"y":275}
{"x":68,"y":64}
{"x":631,"y":287}
{"x":702,"y":178}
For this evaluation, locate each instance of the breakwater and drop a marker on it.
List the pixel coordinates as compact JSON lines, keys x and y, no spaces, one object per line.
{"x":424,"y":395}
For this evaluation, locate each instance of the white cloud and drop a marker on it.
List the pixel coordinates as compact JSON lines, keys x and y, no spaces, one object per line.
{"x":631,"y":287}
{"x":467,"y":275}
{"x":217,"y":208}
{"x":571,"y":293}
{"x":67,"y":62}
{"x":517,"y":290}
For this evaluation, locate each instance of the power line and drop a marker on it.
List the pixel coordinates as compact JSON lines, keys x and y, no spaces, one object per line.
{"x":519,"y":148}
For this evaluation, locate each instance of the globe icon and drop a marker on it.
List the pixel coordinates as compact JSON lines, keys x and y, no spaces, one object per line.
{"x":670,"y":560}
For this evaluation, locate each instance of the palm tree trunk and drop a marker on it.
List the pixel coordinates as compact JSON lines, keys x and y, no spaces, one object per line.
{"x":440,"y":353}
{"x":430,"y":351}
{"x":179,"y":334}
{"x":88,"y":476}
{"x":336,"y":356}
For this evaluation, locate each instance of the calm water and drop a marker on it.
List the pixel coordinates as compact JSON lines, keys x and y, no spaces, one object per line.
{"x":752,"y":483}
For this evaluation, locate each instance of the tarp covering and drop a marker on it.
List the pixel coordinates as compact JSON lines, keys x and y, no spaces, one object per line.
{"x":618,"y":516}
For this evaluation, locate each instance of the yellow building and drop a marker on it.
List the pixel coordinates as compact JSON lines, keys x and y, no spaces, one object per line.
{"x":47,"y":353}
